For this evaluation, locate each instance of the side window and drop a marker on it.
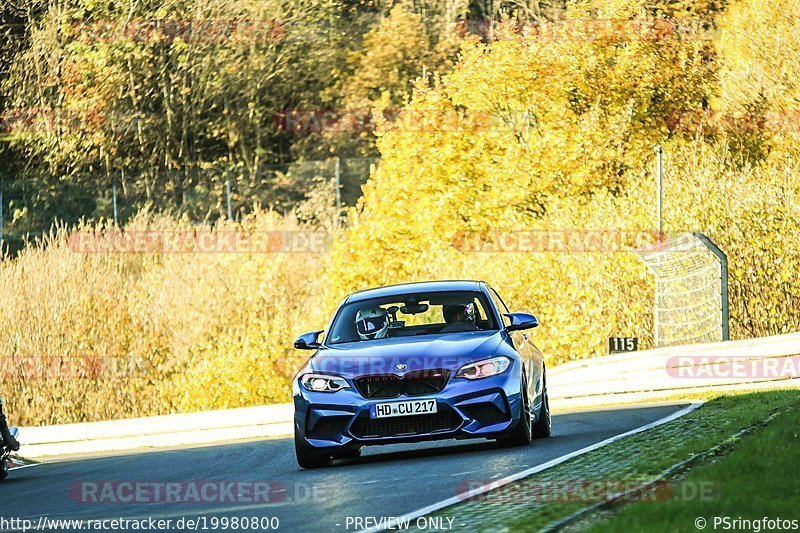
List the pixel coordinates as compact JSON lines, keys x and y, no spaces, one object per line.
{"x":498,"y":302}
{"x":482,"y":317}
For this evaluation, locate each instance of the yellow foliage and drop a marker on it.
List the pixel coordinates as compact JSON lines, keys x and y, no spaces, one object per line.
{"x":92,"y":336}
{"x":394,"y":53}
{"x":760,"y":47}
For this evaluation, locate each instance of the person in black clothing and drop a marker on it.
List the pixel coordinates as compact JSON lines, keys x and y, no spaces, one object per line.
{"x":8,"y":440}
{"x":460,"y":317}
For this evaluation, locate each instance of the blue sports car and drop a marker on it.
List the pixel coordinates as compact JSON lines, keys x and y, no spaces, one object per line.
{"x":418,"y":362}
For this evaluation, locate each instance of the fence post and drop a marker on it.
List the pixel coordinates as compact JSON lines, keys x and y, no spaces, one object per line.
{"x":338,"y":190}
{"x":660,"y":178}
{"x":114,"y":191}
{"x":228,"y":196}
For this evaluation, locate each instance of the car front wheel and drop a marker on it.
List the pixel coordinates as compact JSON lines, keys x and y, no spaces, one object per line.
{"x":307,"y":456}
{"x":521,"y":434}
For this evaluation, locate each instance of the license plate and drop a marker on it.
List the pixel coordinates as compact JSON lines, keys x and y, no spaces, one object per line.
{"x":407,"y":408}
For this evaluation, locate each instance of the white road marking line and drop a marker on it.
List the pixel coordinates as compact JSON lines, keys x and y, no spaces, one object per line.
{"x":25,"y":466}
{"x":459,"y":498}
{"x":463,"y":473}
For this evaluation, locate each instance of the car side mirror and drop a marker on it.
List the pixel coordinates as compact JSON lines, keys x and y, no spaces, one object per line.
{"x":308,"y":341}
{"x":520,"y":321}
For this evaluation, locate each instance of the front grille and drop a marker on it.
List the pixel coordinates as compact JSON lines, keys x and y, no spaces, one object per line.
{"x":417,"y":383}
{"x":382,"y":386}
{"x":329,"y":427}
{"x":401,"y":426}
{"x":485,"y":413}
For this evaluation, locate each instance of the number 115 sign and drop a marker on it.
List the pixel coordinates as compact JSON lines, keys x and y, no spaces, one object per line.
{"x":622,"y":344}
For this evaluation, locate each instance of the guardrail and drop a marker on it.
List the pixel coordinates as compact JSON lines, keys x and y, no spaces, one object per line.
{"x":752,"y":363}
{"x":600,"y":381}
{"x":158,"y":431}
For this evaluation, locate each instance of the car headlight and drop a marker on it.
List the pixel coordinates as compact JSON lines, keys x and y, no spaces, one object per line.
{"x":484,"y":368}
{"x":323,"y":383}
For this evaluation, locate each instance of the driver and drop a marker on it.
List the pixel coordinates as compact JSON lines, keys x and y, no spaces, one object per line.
{"x":7,"y":438}
{"x":459,"y":317}
{"x":372,"y":323}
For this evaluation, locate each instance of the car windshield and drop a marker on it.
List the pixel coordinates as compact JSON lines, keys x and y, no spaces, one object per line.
{"x":412,"y":314}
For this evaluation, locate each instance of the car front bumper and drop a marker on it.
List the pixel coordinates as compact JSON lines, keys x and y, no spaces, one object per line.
{"x":465,"y":409}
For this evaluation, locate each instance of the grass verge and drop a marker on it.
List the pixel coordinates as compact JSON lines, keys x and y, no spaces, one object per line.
{"x":546,"y":499}
{"x":756,"y":479}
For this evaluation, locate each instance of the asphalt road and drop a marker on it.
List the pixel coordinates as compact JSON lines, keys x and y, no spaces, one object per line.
{"x":386,"y":481}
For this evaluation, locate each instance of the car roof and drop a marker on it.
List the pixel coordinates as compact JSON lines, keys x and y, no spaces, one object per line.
{"x":420,"y":286}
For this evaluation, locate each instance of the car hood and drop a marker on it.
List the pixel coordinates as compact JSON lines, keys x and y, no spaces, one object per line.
{"x":448,"y":351}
